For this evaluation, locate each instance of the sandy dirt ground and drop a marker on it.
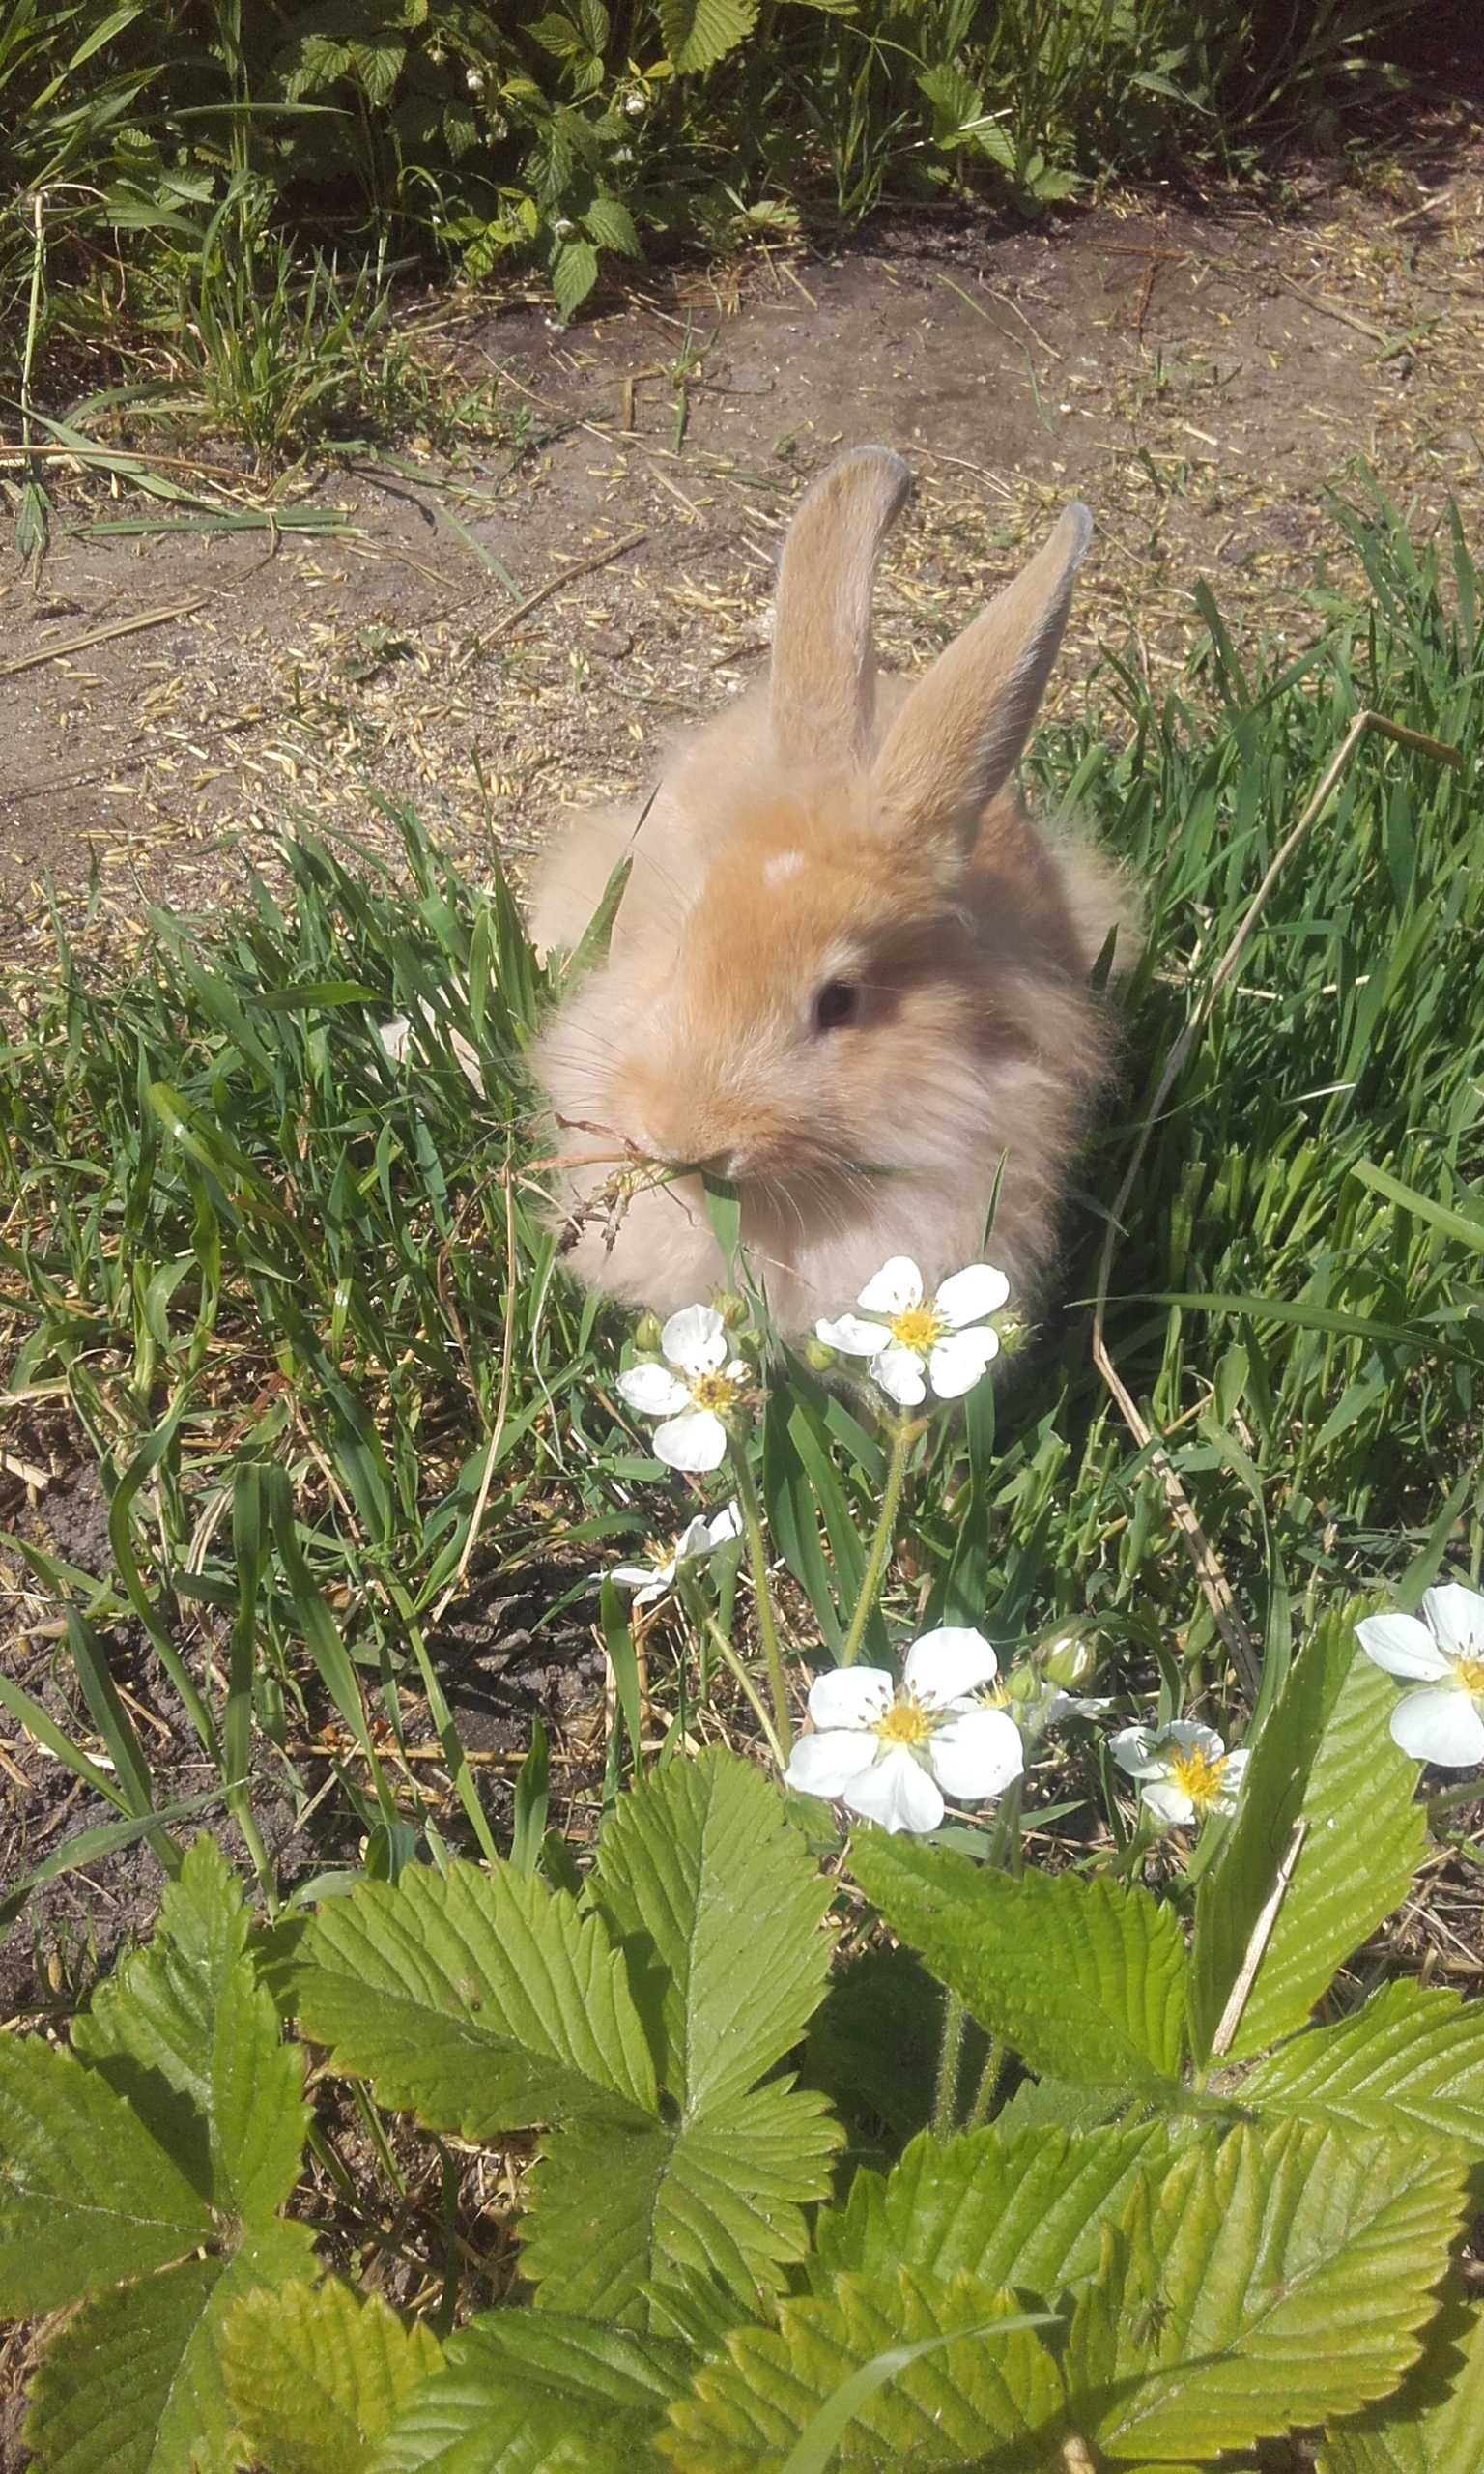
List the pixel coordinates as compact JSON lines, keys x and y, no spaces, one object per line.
{"x":527,"y":623}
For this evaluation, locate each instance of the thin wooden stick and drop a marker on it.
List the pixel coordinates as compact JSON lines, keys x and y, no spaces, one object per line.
{"x":1256,"y":1942}
{"x":1213,"y":1582}
{"x":103,"y":635}
{"x":569,"y":575}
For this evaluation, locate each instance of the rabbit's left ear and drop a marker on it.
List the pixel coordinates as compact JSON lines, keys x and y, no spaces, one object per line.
{"x":958,"y":738}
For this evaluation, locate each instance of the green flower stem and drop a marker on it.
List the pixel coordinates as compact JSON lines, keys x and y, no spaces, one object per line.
{"x":944,"y":2101}
{"x":904,"y":1434}
{"x":767,"y":1621}
{"x":1450,"y":1799}
{"x":737,"y":1668}
{"x":989,"y":2081}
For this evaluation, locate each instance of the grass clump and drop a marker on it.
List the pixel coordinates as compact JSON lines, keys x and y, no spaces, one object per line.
{"x":556,"y":133}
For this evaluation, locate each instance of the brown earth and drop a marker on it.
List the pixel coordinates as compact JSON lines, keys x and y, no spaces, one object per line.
{"x":1200,"y":379}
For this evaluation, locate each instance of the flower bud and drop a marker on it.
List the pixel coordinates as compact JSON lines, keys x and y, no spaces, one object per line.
{"x":732,"y":1309}
{"x":1020,"y":1685}
{"x":646,"y":1334}
{"x":563,"y":227}
{"x":474,"y":80}
{"x":1067,"y":1658}
{"x":636,"y":104}
{"x":1014,"y":1331}
{"x":817,"y":1355}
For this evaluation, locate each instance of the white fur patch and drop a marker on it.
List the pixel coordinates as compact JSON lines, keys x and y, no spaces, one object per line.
{"x":777,"y":871}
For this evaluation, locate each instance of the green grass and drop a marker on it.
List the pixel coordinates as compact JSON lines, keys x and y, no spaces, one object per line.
{"x":300,"y":1307}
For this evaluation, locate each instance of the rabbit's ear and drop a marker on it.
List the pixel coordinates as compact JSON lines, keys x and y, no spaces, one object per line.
{"x":823,"y":674}
{"x":955,"y":740}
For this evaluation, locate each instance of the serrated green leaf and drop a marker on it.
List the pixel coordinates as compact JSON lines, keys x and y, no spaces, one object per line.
{"x":719,"y":2195}
{"x":1215,"y":2318}
{"x":1086,"y":1980}
{"x":316,"y":2374}
{"x":187,"y":2035}
{"x":87,"y":2196}
{"x":1432,"y":2423}
{"x":524,"y":2391}
{"x":1025,"y":2210}
{"x":609,"y":224}
{"x":1365,"y":1835}
{"x":982,"y":2401}
{"x":1411,"y":2061}
{"x":480,"y":1999}
{"x":574,"y":270}
{"x":719,"y":1911}
{"x":1234,"y":1888}
{"x":698,"y":32}
{"x":134,"y":2385}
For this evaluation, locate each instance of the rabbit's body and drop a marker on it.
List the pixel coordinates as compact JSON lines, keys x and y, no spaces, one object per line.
{"x":846,"y":973}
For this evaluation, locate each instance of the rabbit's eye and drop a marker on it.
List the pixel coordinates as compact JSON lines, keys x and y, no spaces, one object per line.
{"x":838,"y":1002}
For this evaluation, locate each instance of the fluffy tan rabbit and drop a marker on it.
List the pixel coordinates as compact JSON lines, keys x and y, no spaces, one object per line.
{"x":848,"y":973}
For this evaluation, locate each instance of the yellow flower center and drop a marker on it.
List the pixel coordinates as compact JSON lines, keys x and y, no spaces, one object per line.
{"x":714,"y":1391}
{"x":920,"y":1328}
{"x":1198,"y":1776}
{"x":1470,"y":1672}
{"x":905,"y":1722}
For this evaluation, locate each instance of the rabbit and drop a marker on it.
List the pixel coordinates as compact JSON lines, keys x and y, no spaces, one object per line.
{"x":847,"y":973}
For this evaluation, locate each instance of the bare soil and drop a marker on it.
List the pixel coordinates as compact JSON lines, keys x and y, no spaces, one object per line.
{"x":1201,"y":380}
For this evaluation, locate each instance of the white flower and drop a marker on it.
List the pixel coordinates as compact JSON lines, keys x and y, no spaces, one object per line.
{"x":474,"y":80}
{"x":563,"y":226}
{"x":636,"y":104}
{"x":1185,"y":1771}
{"x":892,"y":1753}
{"x":910,"y":1344}
{"x":1445,"y":1653}
{"x":692,"y":1392}
{"x":650,"y":1581}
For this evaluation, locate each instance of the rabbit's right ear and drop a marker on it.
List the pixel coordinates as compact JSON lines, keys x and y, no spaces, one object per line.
{"x":823,"y":675}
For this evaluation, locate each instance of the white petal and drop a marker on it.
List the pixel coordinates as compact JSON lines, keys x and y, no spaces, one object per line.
{"x":1233,"y":1772}
{"x":946,"y":1663}
{"x":394,"y":1036}
{"x":652,"y":1390}
{"x":1456,"y":1617}
{"x":694,"y":1540}
{"x":694,"y":1340}
{"x":636,"y":1575}
{"x":1442,"y":1724}
{"x":849,"y":1333}
{"x":899,"y":1374}
{"x":896,"y":1287}
{"x":1186,"y":1735}
{"x":977,"y":1755}
{"x":1168,"y":1802}
{"x":738,"y":1371}
{"x":726,"y":1526}
{"x":957,"y":1362}
{"x":1401,"y":1645}
{"x":695,"y":1442}
{"x":825,"y":1764}
{"x":970,"y":1295}
{"x":897,"y":1794}
{"x":851,"y":1696}
{"x":1132,"y":1750}
{"x":651,"y":1593}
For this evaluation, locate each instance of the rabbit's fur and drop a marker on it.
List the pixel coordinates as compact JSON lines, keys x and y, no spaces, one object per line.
{"x":832,"y":833}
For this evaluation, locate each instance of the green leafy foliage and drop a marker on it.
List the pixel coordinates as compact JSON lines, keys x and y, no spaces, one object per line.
{"x":316,"y":2374}
{"x":983,"y":2398}
{"x":525,"y":2392}
{"x":1018,"y":2208}
{"x":1364,"y":1837}
{"x":1411,"y":2061}
{"x":143,"y":2174}
{"x":1085,"y":1979}
{"x":1432,"y":2423}
{"x":1213,"y":2320}
{"x":634,"y":2033}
